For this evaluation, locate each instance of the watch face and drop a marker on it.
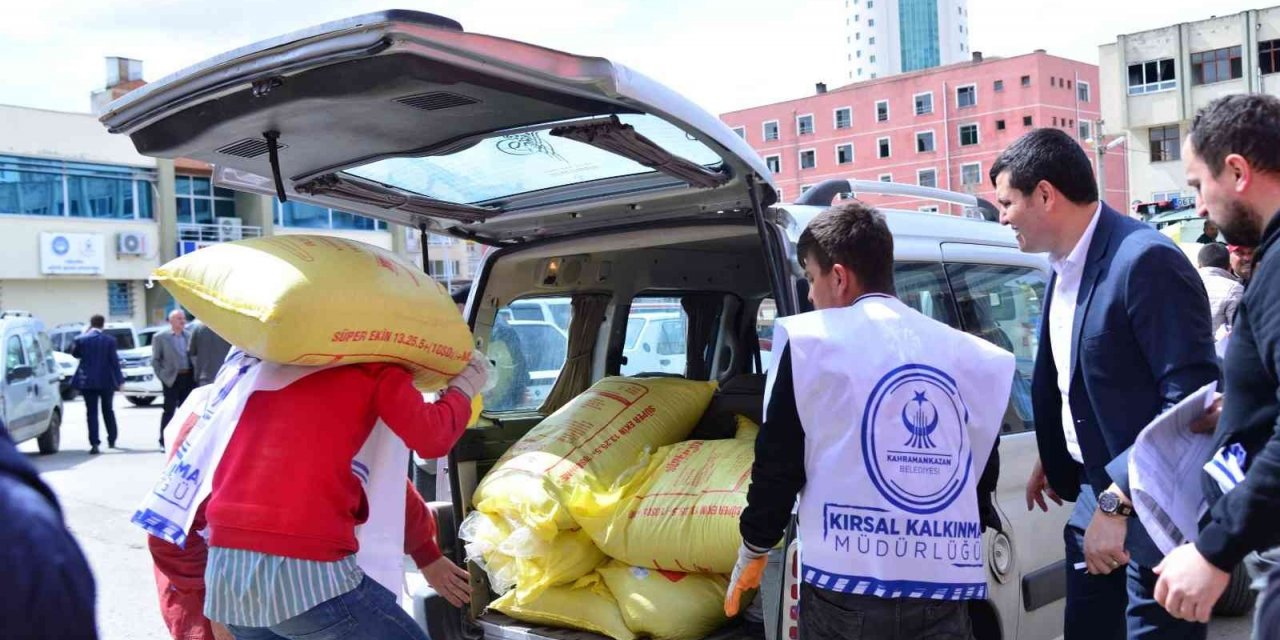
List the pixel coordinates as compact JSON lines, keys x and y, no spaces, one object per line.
{"x":1108,"y":502}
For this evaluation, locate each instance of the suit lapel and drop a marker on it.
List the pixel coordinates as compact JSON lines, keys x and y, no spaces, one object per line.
{"x":1099,"y":247}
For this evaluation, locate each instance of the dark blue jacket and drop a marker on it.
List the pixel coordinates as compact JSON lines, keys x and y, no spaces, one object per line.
{"x":99,"y":368}
{"x":1142,"y":341}
{"x":46,"y":589}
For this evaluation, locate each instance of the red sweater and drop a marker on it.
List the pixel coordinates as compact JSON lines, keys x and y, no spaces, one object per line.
{"x":284,"y":485}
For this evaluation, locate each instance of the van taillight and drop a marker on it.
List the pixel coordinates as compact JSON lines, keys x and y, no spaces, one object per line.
{"x":795,"y":592}
{"x":795,"y":633}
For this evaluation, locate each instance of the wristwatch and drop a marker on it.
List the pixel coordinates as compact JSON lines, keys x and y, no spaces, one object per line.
{"x":1110,"y":504}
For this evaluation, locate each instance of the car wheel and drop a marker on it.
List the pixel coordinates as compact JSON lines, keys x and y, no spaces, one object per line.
{"x":51,"y":439}
{"x":1239,"y":597}
{"x":141,"y":401}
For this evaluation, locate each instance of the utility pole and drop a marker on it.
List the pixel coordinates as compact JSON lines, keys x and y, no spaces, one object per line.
{"x":1100,"y":148}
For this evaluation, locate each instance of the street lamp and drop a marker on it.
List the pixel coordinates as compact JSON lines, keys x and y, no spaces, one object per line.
{"x":1101,"y":151}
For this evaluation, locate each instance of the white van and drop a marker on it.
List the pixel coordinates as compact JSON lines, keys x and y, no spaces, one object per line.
{"x":30,"y":400}
{"x":141,"y":386}
{"x":595,"y":184}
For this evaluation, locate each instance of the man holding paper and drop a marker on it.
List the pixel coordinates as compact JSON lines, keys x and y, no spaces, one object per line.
{"x":1232,"y":158}
{"x":1125,"y":334}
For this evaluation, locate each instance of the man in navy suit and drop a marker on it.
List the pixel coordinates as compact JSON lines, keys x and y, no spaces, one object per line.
{"x":1125,"y":334}
{"x":98,"y":378}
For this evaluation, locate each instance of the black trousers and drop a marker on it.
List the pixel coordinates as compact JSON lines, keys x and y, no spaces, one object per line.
{"x":174,"y":396}
{"x":92,"y":398}
{"x":830,"y":615}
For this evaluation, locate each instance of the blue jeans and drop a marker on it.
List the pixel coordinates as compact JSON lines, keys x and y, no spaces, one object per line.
{"x":367,"y":612}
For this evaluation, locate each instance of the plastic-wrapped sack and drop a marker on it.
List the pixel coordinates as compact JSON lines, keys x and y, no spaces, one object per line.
{"x":520,"y":563}
{"x":680,"y":513}
{"x":667,"y":605}
{"x":586,"y":605}
{"x":587,"y":445}
{"x":318,"y":300}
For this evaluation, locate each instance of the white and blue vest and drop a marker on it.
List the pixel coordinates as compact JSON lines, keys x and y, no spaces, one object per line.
{"x":899,"y":413}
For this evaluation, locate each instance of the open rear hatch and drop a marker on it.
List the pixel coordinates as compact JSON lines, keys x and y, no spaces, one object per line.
{"x":403,"y":116}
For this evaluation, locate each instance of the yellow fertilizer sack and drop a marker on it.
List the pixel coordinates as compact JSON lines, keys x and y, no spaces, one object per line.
{"x":316,"y":300}
{"x":586,"y":605}
{"x":680,"y":513}
{"x":667,"y":605}
{"x":516,"y":559}
{"x":586,"y":446}
{"x":747,"y":429}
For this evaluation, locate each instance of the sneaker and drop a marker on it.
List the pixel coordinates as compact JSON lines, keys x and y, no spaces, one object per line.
{"x":111,"y":444}
{"x":93,"y":451}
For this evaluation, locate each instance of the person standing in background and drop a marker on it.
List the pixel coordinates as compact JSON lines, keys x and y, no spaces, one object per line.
{"x":97,"y":378}
{"x":172,"y":364}
{"x":1241,"y":262}
{"x":207,"y":351}
{"x":1223,"y":287}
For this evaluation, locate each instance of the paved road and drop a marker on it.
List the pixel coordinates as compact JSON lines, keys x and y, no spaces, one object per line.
{"x":99,"y":494}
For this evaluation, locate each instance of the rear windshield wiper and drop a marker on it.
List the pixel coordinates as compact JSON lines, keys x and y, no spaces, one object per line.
{"x":622,"y":139}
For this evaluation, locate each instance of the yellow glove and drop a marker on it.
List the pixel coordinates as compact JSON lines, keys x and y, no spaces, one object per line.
{"x":747,"y":573}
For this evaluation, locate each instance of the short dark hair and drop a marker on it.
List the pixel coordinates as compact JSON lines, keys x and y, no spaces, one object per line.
{"x":97,"y":321}
{"x":1051,"y":155}
{"x":1214,"y":254}
{"x":1245,"y":124}
{"x":856,"y":236}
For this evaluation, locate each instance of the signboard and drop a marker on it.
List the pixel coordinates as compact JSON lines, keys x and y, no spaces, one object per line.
{"x":72,"y":254}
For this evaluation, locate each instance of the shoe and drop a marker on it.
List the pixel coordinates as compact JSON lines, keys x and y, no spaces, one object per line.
{"x":93,"y":451}
{"x":111,"y":444}
{"x":162,"y":444}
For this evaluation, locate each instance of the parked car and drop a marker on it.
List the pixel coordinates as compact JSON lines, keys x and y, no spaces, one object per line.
{"x":655,"y":343}
{"x":67,"y":365}
{"x":30,"y":401}
{"x":593,"y":183}
{"x":141,"y":386}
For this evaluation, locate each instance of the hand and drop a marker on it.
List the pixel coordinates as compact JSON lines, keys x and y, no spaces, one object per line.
{"x":1104,"y":550}
{"x":473,"y":379}
{"x":449,"y":580}
{"x":1189,"y":585}
{"x":1038,"y":487}
{"x":220,"y":632}
{"x":1208,"y":423}
{"x":747,"y":573}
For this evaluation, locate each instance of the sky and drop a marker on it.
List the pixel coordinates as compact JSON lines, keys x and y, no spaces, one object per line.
{"x":722,"y":54}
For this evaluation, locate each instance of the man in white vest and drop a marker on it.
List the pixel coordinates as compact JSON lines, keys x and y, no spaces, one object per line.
{"x":882,"y":420}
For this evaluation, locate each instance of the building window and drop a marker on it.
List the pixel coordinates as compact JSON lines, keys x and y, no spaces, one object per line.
{"x":804,"y":125}
{"x":200,"y":202}
{"x":844,"y":117}
{"x":38,"y":187}
{"x":924,"y":142}
{"x":741,"y":131}
{"x":871,"y":40}
{"x":1269,"y":56}
{"x":1055,"y":121}
{"x":1086,"y":132}
{"x":971,"y":174}
{"x":1219,"y":65}
{"x":1082,"y":91}
{"x":1152,"y":76}
{"x":1164,"y":144}
{"x":886,"y":177}
{"x":808,"y":159}
{"x":968,"y":135}
{"x":844,"y":153}
{"x":924,"y":103}
{"x":966,"y":96}
{"x":882,"y":111}
{"x":932,"y":208}
{"x":308,"y":216}
{"x":804,"y":188}
{"x":774,"y":163}
{"x":1026,"y":81}
{"x":999,"y":125}
{"x":1026,"y":121}
{"x":927,"y":177}
{"x":771,"y":130}
{"x":871,"y":22}
{"x":997,"y":86}
{"x":883,"y":145}
{"x":871,"y":4}
{"x":1068,"y":84}
{"x":119,"y":298}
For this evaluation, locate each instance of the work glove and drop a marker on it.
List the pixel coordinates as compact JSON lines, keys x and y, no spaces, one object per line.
{"x":476,"y":378}
{"x":746,"y":577}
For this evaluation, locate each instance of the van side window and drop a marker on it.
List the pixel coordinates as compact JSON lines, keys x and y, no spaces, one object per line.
{"x":657,"y":337}
{"x":1002,"y":305}
{"x":13,"y":356}
{"x":528,"y":350}
{"x":923,"y":287}
{"x":33,"y":353}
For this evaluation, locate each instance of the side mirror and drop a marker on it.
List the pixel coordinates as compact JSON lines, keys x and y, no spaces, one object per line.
{"x":20,"y":373}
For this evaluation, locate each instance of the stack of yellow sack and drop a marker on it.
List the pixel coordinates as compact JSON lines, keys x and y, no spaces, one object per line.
{"x":318,"y":300}
{"x":602,"y":516}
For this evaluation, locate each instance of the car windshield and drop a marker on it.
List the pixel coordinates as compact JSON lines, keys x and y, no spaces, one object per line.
{"x":530,"y":160}
{"x":544,"y":345}
{"x":124,"y":337}
{"x":144,"y":337}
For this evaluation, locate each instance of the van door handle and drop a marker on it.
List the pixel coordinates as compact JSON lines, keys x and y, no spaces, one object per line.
{"x":664,"y":362}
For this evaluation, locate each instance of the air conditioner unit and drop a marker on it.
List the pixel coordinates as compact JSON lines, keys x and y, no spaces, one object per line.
{"x":229,"y":229}
{"x":131,"y":243}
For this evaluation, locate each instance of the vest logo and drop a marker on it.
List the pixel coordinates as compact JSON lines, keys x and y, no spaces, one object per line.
{"x":925,"y":473}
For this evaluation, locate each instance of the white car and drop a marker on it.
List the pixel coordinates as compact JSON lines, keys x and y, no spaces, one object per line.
{"x":655,"y":343}
{"x":67,"y":365}
{"x":141,"y":386}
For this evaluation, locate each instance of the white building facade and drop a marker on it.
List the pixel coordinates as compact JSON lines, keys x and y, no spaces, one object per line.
{"x":885,"y":37}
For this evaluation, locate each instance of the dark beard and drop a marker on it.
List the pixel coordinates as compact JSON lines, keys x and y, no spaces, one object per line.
{"x":1238,"y":227}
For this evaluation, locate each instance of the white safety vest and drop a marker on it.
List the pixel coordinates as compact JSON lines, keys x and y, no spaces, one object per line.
{"x":899,"y":414}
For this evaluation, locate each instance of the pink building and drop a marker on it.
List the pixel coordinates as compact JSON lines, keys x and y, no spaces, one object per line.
{"x":941,"y":127}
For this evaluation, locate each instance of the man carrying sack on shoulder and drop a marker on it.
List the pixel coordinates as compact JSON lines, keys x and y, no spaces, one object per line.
{"x":882,"y":420}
